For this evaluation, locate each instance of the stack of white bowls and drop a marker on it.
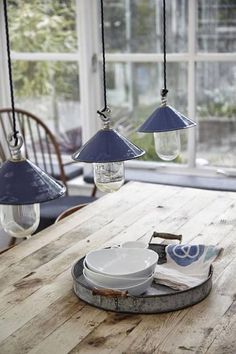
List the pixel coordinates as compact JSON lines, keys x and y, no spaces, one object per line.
{"x":126,"y":269}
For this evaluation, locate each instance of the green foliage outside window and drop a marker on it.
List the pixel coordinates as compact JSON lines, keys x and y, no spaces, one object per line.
{"x":43,"y":26}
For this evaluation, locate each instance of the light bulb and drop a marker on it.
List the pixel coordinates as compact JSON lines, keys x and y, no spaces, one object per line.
{"x":109,"y":176}
{"x":20,"y":220}
{"x":167,"y":144}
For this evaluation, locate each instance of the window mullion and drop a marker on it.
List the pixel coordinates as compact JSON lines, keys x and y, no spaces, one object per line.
{"x":192,"y":8}
{"x":4,"y":82}
{"x":88,"y":66}
{"x":5,"y":100}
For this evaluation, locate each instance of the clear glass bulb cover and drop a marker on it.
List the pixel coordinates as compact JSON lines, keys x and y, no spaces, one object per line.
{"x":20,"y":220}
{"x":109,"y":176}
{"x":167,"y":144}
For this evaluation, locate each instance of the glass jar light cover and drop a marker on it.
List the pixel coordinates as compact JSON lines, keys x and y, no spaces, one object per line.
{"x":20,"y":220}
{"x":109,"y":176}
{"x":167,"y":145}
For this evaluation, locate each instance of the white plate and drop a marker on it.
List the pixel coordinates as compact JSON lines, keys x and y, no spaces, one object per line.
{"x":123,"y":262}
{"x":132,"y":290}
{"x":111,"y":282}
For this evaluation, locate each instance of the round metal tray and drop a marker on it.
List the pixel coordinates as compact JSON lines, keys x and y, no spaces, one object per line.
{"x":157,"y":299}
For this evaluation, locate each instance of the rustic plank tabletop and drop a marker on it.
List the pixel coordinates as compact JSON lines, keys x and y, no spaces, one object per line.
{"x":41,"y":314}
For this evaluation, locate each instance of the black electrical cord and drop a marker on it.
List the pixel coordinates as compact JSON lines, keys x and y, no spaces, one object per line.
{"x":15,"y":132}
{"x":164,"y":90}
{"x":103,"y":63}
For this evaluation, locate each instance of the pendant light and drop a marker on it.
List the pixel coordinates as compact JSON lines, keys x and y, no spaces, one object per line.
{"x":165,"y":122}
{"x":107,"y":149}
{"x":23,"y":185}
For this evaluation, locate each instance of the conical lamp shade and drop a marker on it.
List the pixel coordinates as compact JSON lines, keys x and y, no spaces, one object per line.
{"x":165,"y":119}
{"x":22,"y":182}
{"x":107,"y":145}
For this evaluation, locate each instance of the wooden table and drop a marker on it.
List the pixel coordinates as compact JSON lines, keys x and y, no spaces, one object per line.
{"x":41,"y":314}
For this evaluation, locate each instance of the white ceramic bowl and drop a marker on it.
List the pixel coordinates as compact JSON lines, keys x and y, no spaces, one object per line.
{"x":111,"y":282}
{"x":123,"y":262}
{"x":134,"y":290}
{"x":134,"y":244}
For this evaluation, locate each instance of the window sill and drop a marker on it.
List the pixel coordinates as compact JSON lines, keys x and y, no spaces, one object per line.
{"x":176,"y":176}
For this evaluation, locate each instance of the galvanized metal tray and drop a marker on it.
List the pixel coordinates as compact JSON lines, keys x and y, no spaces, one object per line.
{"x":157,"y":299}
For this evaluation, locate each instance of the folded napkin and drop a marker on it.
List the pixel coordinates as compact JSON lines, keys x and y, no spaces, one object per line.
{"x":186,"y":266}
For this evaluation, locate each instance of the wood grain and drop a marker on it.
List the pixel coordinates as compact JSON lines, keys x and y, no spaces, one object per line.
{"x":39,"y":312}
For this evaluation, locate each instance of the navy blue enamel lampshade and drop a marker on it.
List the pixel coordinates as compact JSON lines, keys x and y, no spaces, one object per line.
{"x":22,"y":183}
{"x":107,"y":145}
{"x":165,"y":119}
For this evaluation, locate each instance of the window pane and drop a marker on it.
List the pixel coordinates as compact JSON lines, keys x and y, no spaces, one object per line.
{"x":50,"y":90}
{"x":216,"y":26}
{"x":134,"y":93}
{"x":216,"y":110}
{"x":135,"y":26}
{"x":42,"y":26}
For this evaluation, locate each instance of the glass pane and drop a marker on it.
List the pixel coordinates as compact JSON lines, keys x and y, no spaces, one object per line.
{"x":50,"y":90}
{"x":134,"y":93}
{"x":135,"y":26}
{"x":42,"y":26}
{"x":216,"y":31}
{"x":216,"y":110}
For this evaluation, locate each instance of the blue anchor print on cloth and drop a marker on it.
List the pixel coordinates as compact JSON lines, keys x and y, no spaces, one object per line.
{"x":185,"y":255}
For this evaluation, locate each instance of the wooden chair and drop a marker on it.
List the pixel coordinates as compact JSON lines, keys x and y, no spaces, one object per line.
{"x":42,"y":148}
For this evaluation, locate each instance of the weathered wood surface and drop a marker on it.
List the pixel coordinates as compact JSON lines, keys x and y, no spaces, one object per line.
{"x":39,"y":312}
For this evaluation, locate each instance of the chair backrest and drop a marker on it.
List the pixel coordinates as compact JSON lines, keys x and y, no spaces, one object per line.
{"x":69,"y":211}
{"x":40,"y":145}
